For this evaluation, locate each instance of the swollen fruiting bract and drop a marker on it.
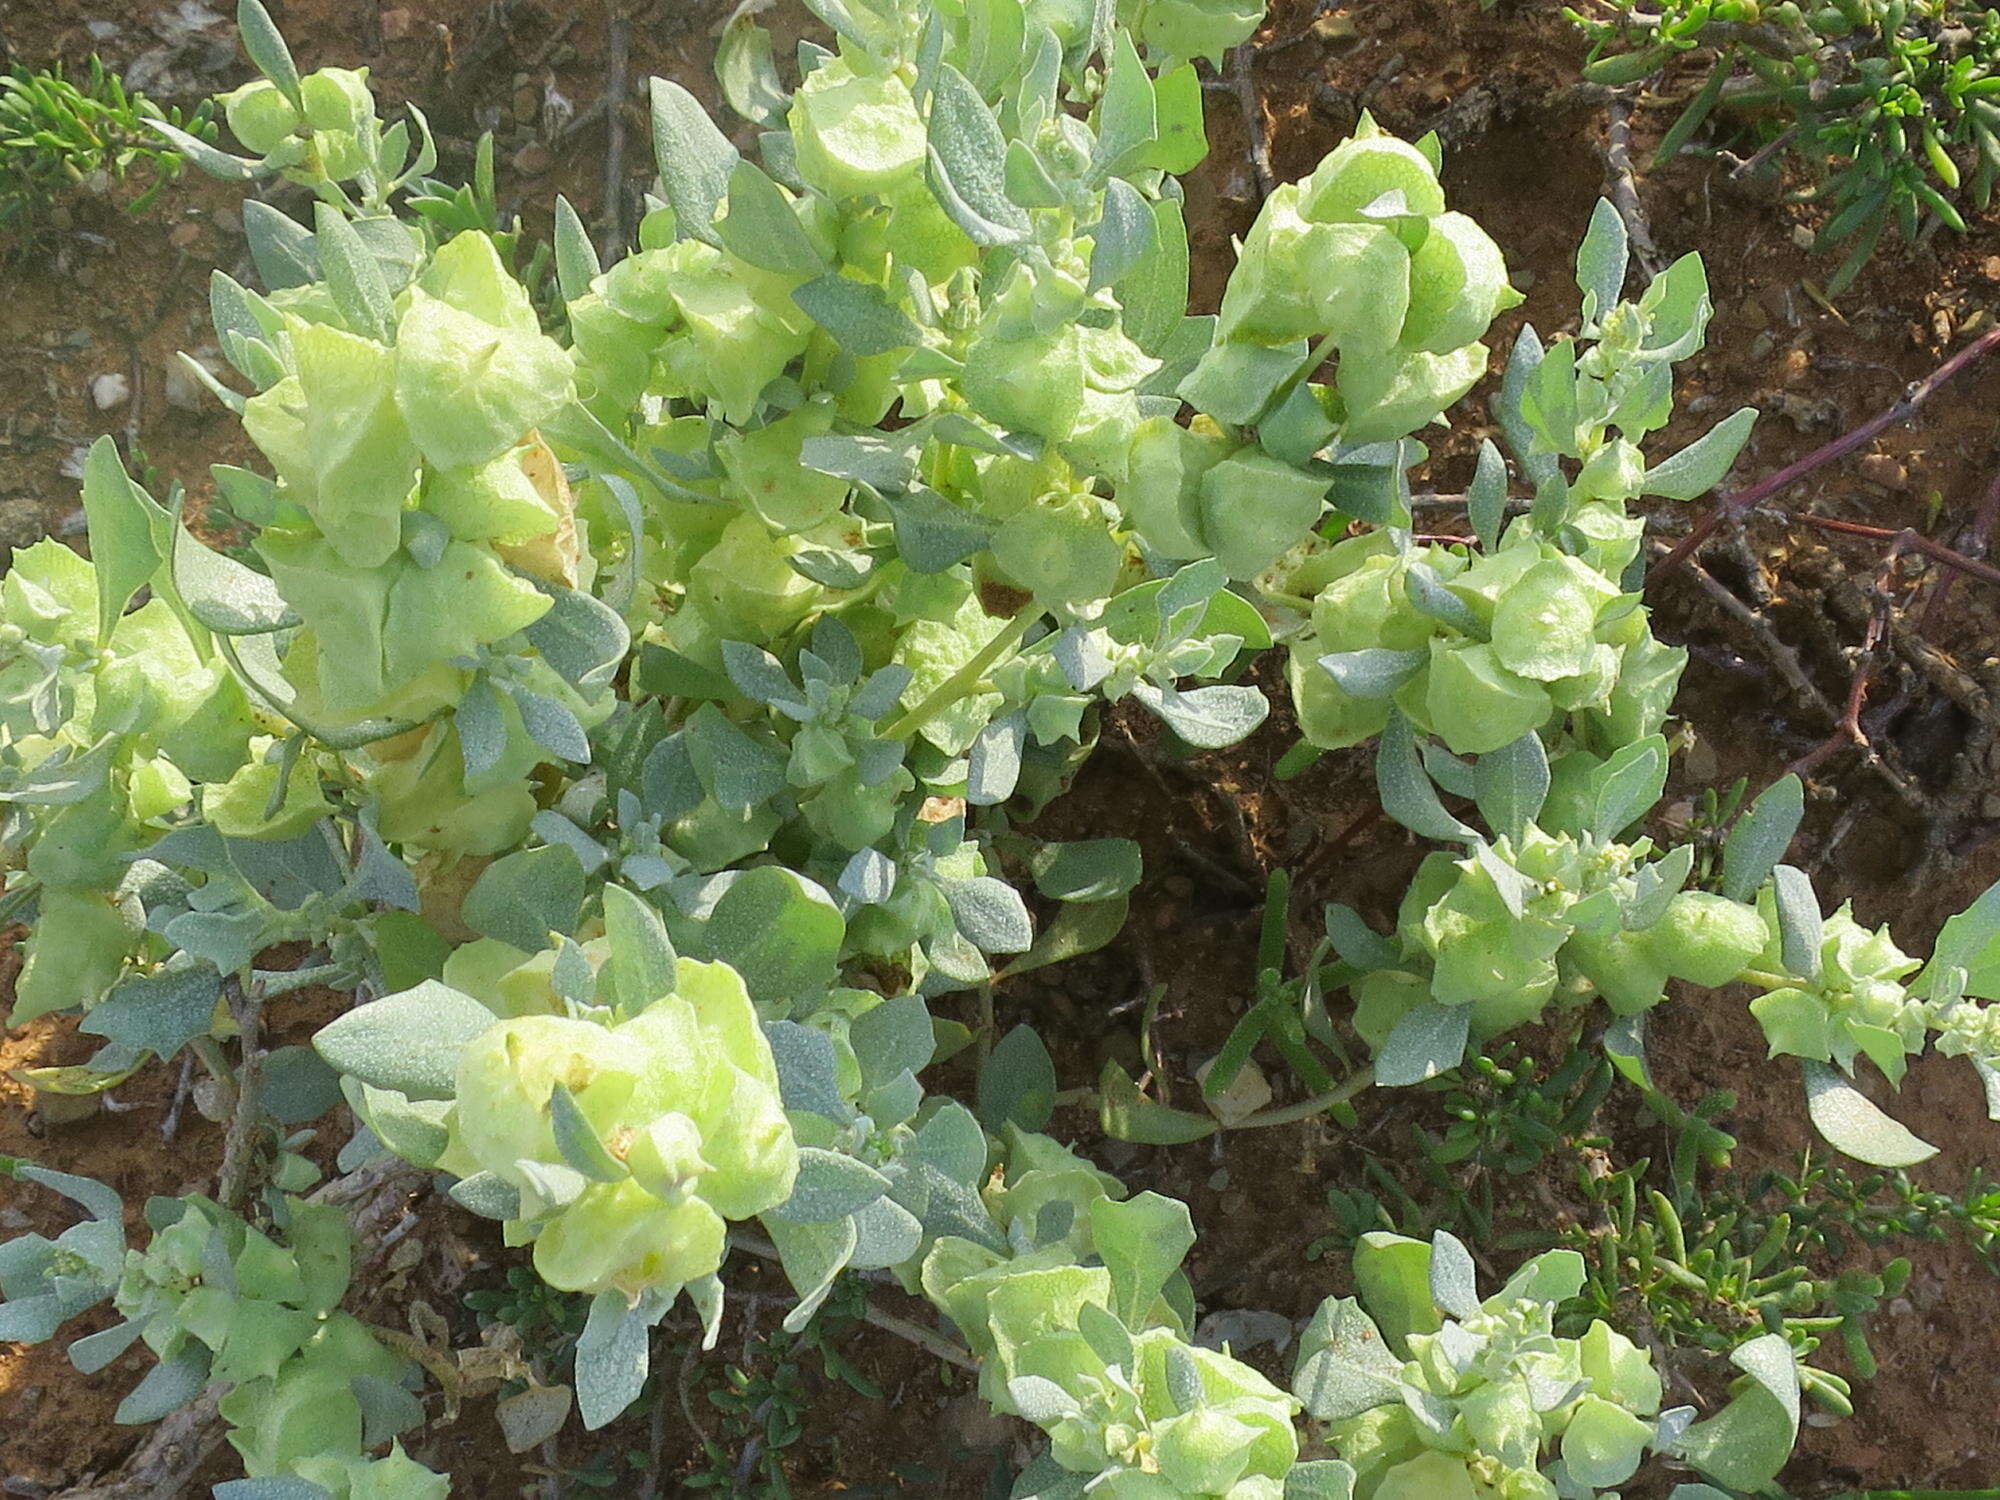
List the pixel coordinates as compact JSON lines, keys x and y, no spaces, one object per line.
{"x":631,"y":685}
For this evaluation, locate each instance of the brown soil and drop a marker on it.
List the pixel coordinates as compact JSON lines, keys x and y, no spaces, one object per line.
{"x":1907,"y":836}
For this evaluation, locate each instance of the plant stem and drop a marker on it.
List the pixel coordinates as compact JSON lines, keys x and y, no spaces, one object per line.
{"x":1305,"y":1109}
{"x":966,"y":679}
{"x":238,"y":1145}
{"x":274,"y":982}
{"x":915,"y":1333}
{"x":1733,"y":507}
{"x":1765,"y":980}
{"x":932,"y":1343}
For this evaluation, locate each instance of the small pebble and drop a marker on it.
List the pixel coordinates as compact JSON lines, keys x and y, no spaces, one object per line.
{"x":185,"y":235}
{"x":1885,"y":470}
{"x":397,"y":24}
{"x":110,"y":390}
{"x":1990,"y":268}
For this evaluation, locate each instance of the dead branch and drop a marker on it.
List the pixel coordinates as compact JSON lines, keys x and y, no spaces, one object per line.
{"x":1625,"y":187}
{"x":1735,"y":507}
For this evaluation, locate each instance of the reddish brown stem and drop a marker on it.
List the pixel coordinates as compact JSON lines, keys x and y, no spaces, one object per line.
{"x":1905,"y":540}
{"x":1983,"y":521}
{"x":1849,"y":731}
{"x":1733,"y":507}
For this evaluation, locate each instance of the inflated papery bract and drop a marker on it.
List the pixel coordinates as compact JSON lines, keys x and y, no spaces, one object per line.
{"x":634,"y":681}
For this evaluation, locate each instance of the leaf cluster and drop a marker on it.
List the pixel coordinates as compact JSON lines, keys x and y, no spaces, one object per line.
{"x":1892,"y":105}
{"x":62,"y":135}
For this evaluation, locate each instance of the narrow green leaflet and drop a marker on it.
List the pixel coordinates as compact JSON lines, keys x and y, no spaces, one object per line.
{"x":1704,"y":463}
{"x":1510,"y":784}
{"x":762,"y":229}
{"x":125,"y":527}
{"x":861,"y":319}
{"x":1128,"y":1115}
{"x":1602,"y":260}
{"x":407,"y":1042}
{"x":968,"y":163}
{"x":612,"y":1358}
{"x":694,"y":157}
{"x":1852,"y":1123}
{"x":1429,"y":1040}
{"x":1761,"y":837}
{"x":1017,"y":1085}
{"x":1747,"y":1442}
{"x":524,"y":897}
{"x":1405,"y":788}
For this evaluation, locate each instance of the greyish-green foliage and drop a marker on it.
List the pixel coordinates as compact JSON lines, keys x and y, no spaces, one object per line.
{"x":633,"y":710}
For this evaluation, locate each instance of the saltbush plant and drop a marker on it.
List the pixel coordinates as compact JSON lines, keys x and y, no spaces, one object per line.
{"x":629,"y":708}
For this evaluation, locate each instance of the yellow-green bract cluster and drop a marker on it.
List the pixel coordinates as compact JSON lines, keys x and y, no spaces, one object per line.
{"x":328,"y":137}
{"x":1084,"y":1333}
{"x":138,"y":708}
{"x":1460,"y":1402}
{"x":265,"y":1320}
{"x":1361,"y":261}
{"x":416,"y":509}
{"x":1522,"y":636}
{"x":1364,"y":255}
{"x":1506,"y":931}
{"x":1855,"y":1006}
{"x":675,"y":1112}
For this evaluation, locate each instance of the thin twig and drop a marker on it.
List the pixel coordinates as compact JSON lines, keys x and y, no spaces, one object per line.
{"x":1903,"y":541}
{"x":1369,"y":816}
{"x":919,"y":1335}
{"x":618,"y":45}
{"x":1764,"y":153}
{"x":166,"y":1463}
{"x":1734,"y":507}
{"x":1780,"y":654}
{"x":1624,"y":187}
{"x":171,"y":1125}
{"x":1240,"y":80}
{"x":1849,"y":730}
{"x":237,"y":1149}
{"x":915,"y":1333}
{"x":1976,"y":540}
{"x":754,"y":1448}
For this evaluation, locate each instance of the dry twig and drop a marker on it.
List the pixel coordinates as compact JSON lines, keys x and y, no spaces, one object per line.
{"x":1625,"y":188}
{"x":233,"y":1180}
{"x":618,"y":44}
{"x":1735,"y":507}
